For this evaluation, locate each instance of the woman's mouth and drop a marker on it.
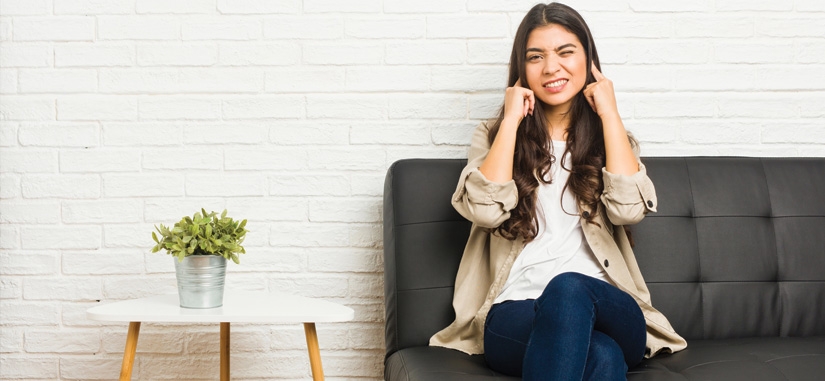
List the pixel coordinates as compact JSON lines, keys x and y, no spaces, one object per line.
{"x":555,"y":86}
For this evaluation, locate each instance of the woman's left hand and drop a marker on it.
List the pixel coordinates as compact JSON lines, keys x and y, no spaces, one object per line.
{"x":619,"y":157}
{"x":600,"y":95}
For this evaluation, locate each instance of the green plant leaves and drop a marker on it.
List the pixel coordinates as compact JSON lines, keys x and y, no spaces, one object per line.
{"x":202,"y":234}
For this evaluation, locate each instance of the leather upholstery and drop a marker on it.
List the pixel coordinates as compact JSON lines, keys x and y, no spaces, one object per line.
{"x":735,"y":258}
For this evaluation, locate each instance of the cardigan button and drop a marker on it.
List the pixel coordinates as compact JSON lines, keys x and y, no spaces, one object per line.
{"x":649,"y":204}
{"x":586,"y":214}
{"x":606,"y":263}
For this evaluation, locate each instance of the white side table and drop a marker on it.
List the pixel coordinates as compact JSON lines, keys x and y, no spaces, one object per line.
{"x":238,"y":307}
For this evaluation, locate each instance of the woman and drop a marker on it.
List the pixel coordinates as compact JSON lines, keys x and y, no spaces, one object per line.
{"x":548,"y":287}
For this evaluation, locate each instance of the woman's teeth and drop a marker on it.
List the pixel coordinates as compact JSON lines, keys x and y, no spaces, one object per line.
{"x":556,"y":83}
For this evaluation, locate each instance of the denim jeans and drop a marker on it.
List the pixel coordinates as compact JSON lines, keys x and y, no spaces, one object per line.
{"x":580,"y":328}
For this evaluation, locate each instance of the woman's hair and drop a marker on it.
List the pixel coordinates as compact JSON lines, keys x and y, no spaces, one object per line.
{"x":533,"y":154}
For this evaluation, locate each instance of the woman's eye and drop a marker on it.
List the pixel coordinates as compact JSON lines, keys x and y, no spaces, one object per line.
{"x":566,"y":52}
{"x":533,"y":58}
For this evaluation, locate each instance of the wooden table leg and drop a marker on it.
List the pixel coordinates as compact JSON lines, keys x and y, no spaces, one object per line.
{"x":314,"y":352}
{"x":129,"y":352}
{"x":224,"y":351}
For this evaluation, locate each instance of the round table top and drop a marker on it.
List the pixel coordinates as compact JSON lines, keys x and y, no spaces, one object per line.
{"x":238,"y":307}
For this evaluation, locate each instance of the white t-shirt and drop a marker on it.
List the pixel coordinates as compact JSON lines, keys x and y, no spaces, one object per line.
{"x":560,"y":245}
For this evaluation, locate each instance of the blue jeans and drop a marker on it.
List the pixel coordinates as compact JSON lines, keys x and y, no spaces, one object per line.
{"x":580,"y":328}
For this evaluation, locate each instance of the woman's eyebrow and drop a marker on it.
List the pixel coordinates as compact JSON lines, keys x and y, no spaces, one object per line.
{"x":565,"y":46}
{"x":540,"y":50}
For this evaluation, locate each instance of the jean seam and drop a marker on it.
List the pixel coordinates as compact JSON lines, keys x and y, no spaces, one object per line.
{"x":508,"y":338}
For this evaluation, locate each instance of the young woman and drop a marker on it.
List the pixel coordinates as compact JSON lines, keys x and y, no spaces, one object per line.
{"x":548,"y":287}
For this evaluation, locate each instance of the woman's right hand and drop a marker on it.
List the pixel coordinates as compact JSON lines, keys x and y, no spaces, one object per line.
{"x":518,"y":102}
{"x":498,"y":165}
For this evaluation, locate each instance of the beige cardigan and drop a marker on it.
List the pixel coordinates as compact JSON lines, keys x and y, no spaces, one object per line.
{"x":488,"y":257}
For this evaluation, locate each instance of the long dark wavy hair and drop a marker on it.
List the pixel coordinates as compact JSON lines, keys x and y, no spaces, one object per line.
{"x":533,"y":155}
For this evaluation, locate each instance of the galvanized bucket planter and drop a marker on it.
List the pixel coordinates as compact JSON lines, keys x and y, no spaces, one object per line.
{"x":201,"y":280}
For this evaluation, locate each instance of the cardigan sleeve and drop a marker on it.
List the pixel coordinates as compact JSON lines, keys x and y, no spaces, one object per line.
{"x":628,"y":198}
{"x":485,"y":203}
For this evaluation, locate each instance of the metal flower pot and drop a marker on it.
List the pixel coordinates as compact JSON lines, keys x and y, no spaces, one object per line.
{"x":201,"y":280}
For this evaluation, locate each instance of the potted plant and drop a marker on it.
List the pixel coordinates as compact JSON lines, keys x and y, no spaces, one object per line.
{"x":201,"y":245}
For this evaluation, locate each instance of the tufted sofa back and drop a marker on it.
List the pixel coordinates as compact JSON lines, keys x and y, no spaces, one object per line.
{"x":736,"y":249}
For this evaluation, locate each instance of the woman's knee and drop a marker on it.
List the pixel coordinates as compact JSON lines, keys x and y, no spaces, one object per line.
{"x":566,"y":285}
{"x":570,"y":280}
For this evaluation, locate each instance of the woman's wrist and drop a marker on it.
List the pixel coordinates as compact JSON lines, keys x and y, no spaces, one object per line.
{"x":509,"y":125}
{"x":611,"y":119}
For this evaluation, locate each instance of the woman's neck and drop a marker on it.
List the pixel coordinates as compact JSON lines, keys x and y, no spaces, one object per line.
{"x":557,"y":124}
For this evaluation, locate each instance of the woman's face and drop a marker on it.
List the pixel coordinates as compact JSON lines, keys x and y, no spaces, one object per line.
{"x":556,"y":66}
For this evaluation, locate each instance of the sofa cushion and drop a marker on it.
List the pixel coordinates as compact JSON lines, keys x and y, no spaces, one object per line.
{"x":753,"y":359}
{"x":436,"y":363}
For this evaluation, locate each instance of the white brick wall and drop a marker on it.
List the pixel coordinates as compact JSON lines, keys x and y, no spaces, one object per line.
{"x":116,"y":115}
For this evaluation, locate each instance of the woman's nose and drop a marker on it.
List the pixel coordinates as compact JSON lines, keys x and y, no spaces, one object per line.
{"x":551,"y":66}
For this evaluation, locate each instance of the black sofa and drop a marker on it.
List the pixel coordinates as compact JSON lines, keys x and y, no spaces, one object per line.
{"x":735,"y":258}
